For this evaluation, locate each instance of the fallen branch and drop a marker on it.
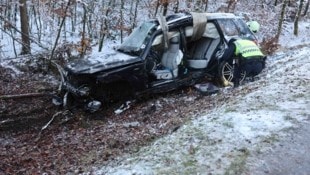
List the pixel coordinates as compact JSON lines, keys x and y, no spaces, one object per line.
{"x":18,"y":96}
{"x":48,"y":123}
{"x":52,"y":119}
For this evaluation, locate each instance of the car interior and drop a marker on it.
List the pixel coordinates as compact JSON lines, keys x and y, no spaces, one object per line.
{"x":199,"y":51}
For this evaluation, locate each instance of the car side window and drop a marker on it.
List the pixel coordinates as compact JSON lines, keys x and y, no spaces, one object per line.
{"x":235,"y":27}
{"x":228,"y":27}
{"x":244,"y":29}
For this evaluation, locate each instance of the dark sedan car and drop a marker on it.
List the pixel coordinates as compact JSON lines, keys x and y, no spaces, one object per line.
{"x":158,"y":56}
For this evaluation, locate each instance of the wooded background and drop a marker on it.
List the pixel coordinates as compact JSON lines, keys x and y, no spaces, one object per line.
{"x":31,"y":26}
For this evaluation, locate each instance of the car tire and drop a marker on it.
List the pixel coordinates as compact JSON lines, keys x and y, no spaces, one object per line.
{"x":226,"y":74}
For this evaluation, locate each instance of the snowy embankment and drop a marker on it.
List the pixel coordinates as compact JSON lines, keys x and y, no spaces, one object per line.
{"x":221,"y":141}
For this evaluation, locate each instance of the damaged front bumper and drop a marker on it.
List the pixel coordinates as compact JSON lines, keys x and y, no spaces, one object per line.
{"x":81,"y":93}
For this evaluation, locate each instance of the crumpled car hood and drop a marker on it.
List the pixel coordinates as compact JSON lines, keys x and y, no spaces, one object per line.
{"x":100,"y":61}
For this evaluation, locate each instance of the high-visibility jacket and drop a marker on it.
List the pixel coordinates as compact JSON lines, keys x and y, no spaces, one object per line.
{"x":247,"y":49}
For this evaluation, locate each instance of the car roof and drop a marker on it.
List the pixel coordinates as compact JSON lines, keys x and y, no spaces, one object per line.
{"x":220,"y":15}
{"x":199,"y":20}
{"x":209,"y":16}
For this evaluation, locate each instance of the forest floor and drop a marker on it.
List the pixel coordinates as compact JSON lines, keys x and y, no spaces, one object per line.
{"x":37,"y":137}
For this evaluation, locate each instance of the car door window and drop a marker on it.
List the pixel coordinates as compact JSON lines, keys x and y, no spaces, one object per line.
{"x":244,"y":29}
{"x":235,"y":28}
{"x":228,"y":27}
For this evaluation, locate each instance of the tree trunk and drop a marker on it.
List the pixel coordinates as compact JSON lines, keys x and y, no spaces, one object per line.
{"x":13,"y":41}
{"x":83,"y":40}
{"x":297,"y":17}
{"x":231,"y":5}
{"x":24,"y":22}
{"x":74,"y":19}
{"x":197,"y":5}
{"x":122,"y":20}
{"x":275,"y":2}
{"x":156,"y":8}
{"x":176,"y":7}
{"x":90,"y":20}
{"x":104,"y":26}
{"x":206,"y":5}
{"x":165,"y":4}
{"x":59,"y":30}
{"x":306,"y":8}
{"x":135,"y":15}
{"x":281,"y":20}
{"x":38,"y":22}
{"x":130,"y":12}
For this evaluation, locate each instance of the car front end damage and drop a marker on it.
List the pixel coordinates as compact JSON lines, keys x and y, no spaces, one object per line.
{"x":71,"y":89}
{"x":93,"y":81}
{"x":101,"y":77}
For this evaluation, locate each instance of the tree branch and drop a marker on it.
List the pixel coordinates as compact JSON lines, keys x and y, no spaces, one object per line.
{"x":16,"y":29}
{"x":19,"y":96}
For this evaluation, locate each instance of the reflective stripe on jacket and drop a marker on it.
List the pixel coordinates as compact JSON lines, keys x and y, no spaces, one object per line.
{"x":247,"y":49}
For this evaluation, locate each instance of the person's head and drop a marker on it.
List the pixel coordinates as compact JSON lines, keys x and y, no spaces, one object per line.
{"x":253,"y":26}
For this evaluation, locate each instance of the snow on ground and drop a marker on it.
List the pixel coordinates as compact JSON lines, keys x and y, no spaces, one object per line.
{"x":221,"y":141}
{"x":290,"y":40}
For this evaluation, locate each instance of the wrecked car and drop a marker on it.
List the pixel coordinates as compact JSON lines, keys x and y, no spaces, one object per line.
{"x":158,"y":56}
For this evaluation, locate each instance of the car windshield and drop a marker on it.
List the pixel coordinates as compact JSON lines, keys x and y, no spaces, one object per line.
{"x":137,"y":39}
{"x":244,"y":29}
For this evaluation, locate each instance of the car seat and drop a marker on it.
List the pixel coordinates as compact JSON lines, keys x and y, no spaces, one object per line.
{"x":171,"y":59}
{"x":202,"y":52}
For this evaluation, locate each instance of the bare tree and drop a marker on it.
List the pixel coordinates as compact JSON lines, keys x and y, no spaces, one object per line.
{"x":104,"y":27}
{"x":275,"y":2}
{"x":297,"y":17}
{"x":306,"y":8}
{"x":156,"y":8}
{"x":206,"y":5}
{"x":135,"y":15}
{"x":59,"y":29}
{"x":165,"y":4}
{"x":37,"y":21}
{"x":231,"y":5}
{"x":83,"y":40}
{"x":281,"y":19}
{"x":176,"y":6}
{"x":24,"y":22}
{"x":122,"y":20}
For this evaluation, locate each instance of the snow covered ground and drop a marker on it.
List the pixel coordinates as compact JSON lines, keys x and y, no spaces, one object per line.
{"x":222,"y":140}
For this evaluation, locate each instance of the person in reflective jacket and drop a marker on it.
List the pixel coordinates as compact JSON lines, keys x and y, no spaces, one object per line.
{"x":247,"y":57}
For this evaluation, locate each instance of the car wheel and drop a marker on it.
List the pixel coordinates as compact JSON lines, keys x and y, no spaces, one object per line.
{"x":226,"y":74}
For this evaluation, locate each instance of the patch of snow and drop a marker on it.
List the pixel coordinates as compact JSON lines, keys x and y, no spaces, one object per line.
{"x":13,"y":68}
{"x":288,"y":39}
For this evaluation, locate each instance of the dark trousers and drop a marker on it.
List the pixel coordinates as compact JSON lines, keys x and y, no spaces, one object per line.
{"x":251,"y":67}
